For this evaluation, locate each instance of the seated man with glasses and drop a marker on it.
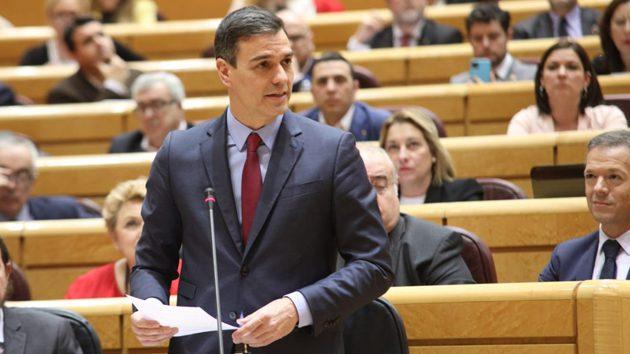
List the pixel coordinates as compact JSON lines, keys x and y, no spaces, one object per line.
{"x":159,"y":98}
{"x":17,"y":176}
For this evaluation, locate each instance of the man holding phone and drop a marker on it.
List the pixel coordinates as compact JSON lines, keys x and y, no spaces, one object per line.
{"x":102,"y":73}
{"x":489,"y":30}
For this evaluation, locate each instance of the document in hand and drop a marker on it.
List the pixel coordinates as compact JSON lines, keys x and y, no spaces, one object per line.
{"x":188,"y":320}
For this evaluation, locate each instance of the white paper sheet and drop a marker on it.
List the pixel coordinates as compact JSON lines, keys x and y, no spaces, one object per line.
{"x":188,"y":320}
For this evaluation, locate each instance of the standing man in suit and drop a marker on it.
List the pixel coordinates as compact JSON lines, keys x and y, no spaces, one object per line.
{"x":565,"y":18}
{"x":291,"y":195}
{"x":409,"y":28}
{"x":18,"y":173}
{"x":334,"y":88}
{"x":489,"y":31}
{"x":604,"y":254}
{"x":422,"y":253}
{"x":102,"y":74}
{"x":27,"y":330}
{"x":159,"y":97}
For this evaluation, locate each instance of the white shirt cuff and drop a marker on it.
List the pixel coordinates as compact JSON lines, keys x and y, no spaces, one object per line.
{"x":116,"y":87}
{"x":355,"y":46}
{"x":305,"y":318}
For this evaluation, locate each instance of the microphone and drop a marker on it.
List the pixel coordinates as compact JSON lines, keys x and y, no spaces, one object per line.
{"x":209,"y":199}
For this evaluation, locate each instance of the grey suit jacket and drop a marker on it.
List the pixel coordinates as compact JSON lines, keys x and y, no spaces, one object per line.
{"x":29,"y":331}
{"x":518,"y":70}
{"x":426,"y":254}
{"x":316,"y":202}
{"x":541,"y":25}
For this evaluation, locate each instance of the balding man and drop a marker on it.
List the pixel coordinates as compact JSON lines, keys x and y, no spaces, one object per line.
{"x":301,"y":38}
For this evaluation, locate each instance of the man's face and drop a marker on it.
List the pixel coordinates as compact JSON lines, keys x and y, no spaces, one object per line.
{"x":157,"y":113}
{"x":380,"y":172}
{"x":16,"y":178}
{"x":607,"y":185}
{"x":92,"y":45}
{"x":562,"y":7}
{"x":488,"y":40}
{"x":301,"y":39}
{"x":333,"y":87}
{"x":407,"y":12}
{"x":63,"y":13}
{"x":259,"y":85}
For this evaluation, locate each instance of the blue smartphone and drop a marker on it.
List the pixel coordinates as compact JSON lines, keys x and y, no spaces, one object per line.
{"x":480,"y":69}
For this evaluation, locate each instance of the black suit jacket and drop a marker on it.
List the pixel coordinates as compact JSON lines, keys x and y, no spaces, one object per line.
{"x":29,"y":331}
{"x":541,"y":25}
{"x":39,"y":55}
{"x":432,"y":33}
{"x":426,"y":254}
{"x":459,"y":190}
{"x":78,"y":89}
{"x":130,"y":141}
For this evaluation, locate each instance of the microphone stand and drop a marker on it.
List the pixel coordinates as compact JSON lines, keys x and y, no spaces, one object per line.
{"x":209,"y":199}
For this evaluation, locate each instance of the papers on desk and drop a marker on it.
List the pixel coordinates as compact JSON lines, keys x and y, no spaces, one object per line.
{"x":188,"y":320}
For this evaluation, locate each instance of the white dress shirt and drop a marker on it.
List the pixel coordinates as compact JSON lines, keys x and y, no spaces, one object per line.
{"x":623,"y":258}
{"x":574,"y":23}
{"x":344,"y":123}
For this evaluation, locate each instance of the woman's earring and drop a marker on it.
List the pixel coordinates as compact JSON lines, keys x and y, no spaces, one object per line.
{"x":585,"y":92}
{"x":541,"y":90}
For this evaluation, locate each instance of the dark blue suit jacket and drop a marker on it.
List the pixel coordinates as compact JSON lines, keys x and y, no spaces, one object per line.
{"x":316,"y":201}
{"x":366,"y":121}
{"x":572,"y":260}
{"x":51,"y":208}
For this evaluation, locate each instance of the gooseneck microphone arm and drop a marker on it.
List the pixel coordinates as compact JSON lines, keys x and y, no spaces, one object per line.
{"x":209,"y":199}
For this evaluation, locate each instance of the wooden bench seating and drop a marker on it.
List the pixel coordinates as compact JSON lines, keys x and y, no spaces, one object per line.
{"x":564,"y":317}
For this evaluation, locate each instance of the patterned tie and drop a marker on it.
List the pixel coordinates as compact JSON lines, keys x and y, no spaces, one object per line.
{"x":251,"y":185}
{"x":563,"y":28}
{"x":610,"y":249}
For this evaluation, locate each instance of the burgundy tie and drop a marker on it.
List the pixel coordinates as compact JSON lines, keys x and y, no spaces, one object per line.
{"x":251,"y":185}
{"x":405,"y":40}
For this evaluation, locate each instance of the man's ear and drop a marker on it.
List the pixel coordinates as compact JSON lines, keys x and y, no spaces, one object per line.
{"x":224,"y":69}
{"x":355,"y":85}
{"x":510,"y":34}
{"x":8,"y":268}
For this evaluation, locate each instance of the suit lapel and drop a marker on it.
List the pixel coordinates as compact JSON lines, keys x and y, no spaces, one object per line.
{"x":547,"y":26}
{"x":214,"y":155}
{"x":286,"y":150}
{"x":428,"y":31}
{"x":587,"y":262}
{"x":359,"y":126}
{"x":14,"y":337}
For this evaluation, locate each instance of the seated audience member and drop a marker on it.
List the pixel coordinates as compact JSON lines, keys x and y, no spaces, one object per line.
{"x":424,"y":167}
{"x":17,"y":176}
{"x":102,"y":74}
{"x":159,"y":97}
{"x":121,"y":211}
{"x":568,"y":96}
{"x":301,"y":38}
{"x":27,"y":330}
{"x":565,"y":18}
{"x":60,"y":14}
{"x":7,"y":96}
{"x":409,"y":28}
{"x":604,"y":254}
{"x":489,"y":31}
{"x":126,"y":11}
{"x":333,"y":89}
{"x":422,"y":253}
{"x":614,"y":35}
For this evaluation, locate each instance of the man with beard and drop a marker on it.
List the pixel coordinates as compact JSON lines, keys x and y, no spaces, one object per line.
{"x":408,"y":28}
{"x":17,"y":176}
{"x":565,"y":18}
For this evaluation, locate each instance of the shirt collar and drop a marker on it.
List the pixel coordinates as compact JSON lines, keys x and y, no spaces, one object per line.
{"x":344,"y":123}
{"x":239,"y":132}
{"x":623,"y":239}
{"x":23,"y":215}
{"x":571,"y":16}
{"x":415,"y":33}
{"x":144,"y":143}
{"x":503,"y":69}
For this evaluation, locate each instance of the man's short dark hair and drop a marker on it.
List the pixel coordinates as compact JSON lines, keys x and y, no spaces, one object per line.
{"x":246,"y":22}
{"x":69,"y":31}
{"x":611,"y":139}
{"x":332,"y":56}
{"x":487,"y":12}
{"x":4,"y":252}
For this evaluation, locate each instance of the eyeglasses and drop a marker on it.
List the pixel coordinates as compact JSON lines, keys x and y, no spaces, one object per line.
{"x":380,"y":183}
{"x":21,"y":177}
{"x":156,"y":106}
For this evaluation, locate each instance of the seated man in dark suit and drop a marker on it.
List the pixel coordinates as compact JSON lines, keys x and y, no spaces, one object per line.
{"x":102,"y":73}
{"x":565,"y":18}
{"x":408,"y":28}
{"x":26,"y":330}
{"x":604,"y":254}
{"x":159,"y":97}
{"x":334,"y":88}
{"x":422,"y":253}
{"x":17,"y":176}
{"x":489,"y":32}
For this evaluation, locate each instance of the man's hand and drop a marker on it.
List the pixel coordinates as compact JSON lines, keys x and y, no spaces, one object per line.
{"x":370,"y":26}
{"x":265,"y":326}
{"x":115,"y":69}
{"x":150,"y":332}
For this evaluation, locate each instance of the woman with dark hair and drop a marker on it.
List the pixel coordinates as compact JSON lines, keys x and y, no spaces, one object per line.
{"x":614,"y":34}
{"x":568,"y":96}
